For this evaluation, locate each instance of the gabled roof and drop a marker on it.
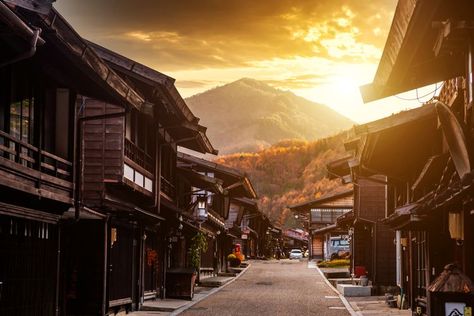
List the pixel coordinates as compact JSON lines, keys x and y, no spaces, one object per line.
{"x":249,"y":204}
{"x":59,"y":33}
{"x":148,"y":75}
{"x":339,"y":168}
{"x":325,"y":201}
{"x":236,"y":182}
{"x":407,"y":134}
{"x":40,"y":6}
{"x":202,"y":182}
{"x":397,"y":120}
{"x":172,"y":111}
{"x":412,"y":57}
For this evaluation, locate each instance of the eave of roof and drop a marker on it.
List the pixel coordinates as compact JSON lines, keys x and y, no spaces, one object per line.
{"x":322,"y":200}
{"x":193,"y":135}
{"x":149,"y":76}
{"x":408,"y":60}
{"x":218,"y":168}
{"x":395,"y":120}
{"x":17,"y":25}
{"x":58,"y":28}
{"x":202,"y":182}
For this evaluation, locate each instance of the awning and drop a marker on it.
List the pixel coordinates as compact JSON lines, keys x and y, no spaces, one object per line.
{"x":401,"y":217}
{"x":249,"y":204}
{"x":346,"y":220}
{"x":411,"y":57}
{"x":130,"y":210}
{"x":339,"y":168}
{"x":387,"y":141}
{"x":327,"y":229}
{"x":201,"y":181}
{"x":237,"y":183}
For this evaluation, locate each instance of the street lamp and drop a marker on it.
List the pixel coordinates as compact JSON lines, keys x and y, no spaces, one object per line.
{"x":201,"y":208}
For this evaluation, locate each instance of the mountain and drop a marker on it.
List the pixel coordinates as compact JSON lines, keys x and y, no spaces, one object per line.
{"x":248,"y":115}
{"x":290,"y":172}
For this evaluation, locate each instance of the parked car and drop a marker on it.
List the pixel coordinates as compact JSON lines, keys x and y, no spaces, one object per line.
{"x":339,"y":247}
{"x":296,"y":254}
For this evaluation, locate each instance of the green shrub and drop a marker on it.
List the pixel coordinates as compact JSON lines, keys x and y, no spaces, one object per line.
{"x":337,"y":263}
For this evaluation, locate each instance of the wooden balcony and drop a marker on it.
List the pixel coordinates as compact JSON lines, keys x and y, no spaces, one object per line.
{"x":29,"y":169}
{"x":138,"y":169}
{"x":168,"y":189}
{"x":139,"y":157}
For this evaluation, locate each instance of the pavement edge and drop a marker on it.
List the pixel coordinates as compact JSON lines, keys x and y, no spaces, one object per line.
{"x":347,"y":305}
{"x":211,"y":292}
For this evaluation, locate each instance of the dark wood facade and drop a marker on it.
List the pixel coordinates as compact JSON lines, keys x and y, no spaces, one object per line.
{"x":229,"y":197}
{"x":37,"y":148}
{"x":430,"y":191}
{"x":321,"y":215}
{"x":372,"y":241}
{"x":94,"y":208}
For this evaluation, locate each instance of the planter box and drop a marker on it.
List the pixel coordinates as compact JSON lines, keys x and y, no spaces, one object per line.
{"x":180,"y":283}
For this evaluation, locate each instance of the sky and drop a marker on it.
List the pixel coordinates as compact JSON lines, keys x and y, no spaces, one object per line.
{"x":322,"y":50}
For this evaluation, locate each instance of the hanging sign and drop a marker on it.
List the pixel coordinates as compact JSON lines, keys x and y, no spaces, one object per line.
{"x":454,"y":308}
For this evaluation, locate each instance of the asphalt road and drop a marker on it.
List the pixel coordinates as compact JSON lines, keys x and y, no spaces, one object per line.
{"x":273,"y":288}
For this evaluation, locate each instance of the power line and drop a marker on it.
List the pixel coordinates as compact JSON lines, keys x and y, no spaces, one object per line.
{"x":417,"y":98}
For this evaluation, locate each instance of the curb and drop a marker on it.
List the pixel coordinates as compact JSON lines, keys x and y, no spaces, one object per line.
{"x":344,"y":301}
{"x":213,"y":291}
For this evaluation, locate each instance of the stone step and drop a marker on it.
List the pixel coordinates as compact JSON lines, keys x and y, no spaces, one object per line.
{"x":215,"y":281}
{"x":354,"y":290}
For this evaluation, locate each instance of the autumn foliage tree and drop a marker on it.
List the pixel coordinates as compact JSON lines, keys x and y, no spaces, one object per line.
{"x":290,"y":172}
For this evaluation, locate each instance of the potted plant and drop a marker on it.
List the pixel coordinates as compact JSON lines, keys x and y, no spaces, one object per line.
{"x":233,"y":260}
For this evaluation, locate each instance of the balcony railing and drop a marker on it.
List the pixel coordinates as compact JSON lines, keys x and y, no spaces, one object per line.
{"x":137,"y":155}
{"x":31,"y":157}
{"x":168,"y":188}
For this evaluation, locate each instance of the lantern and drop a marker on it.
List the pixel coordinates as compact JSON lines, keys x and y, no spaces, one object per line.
{"x":201,"y":208}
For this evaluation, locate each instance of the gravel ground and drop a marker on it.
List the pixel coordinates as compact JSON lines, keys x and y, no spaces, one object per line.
{"x":273,"y":288}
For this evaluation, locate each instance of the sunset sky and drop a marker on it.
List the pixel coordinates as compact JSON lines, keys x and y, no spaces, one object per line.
{"x":319,"y":49}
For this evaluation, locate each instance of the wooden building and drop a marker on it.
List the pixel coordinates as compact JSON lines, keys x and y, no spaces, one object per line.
{"x":45,"y":70}
{"x":322,"y":214}
{"x":294,"y":238}
{"x":430,"y":195}
{"x":372,"y":242}
{"x":197,"y":177}
{"x":241,"y":211}
{"x":129,"y":175}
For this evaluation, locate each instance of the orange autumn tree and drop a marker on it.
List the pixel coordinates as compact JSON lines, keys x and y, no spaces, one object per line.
{"x":290,"y":172}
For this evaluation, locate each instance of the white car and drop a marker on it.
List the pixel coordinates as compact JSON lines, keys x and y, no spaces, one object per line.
{"x":296,"y":254}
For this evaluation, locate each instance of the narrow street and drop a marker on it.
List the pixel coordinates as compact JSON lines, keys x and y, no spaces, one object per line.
{"x":273,"y":288}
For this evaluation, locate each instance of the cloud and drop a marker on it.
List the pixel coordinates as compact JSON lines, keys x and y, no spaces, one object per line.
{"x":305,"y":81}
{"x":193,"y":84}
{"x":177,"y":35}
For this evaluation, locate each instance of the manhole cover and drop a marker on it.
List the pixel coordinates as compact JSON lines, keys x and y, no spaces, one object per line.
{"x":264,"y":283}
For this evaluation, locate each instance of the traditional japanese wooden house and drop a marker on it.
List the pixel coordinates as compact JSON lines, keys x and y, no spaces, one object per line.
{"x":130,"y":175}
{"x":218,"y":205}
{"x":45,"y":70}
{"x":238,"y":229}
{"x":294,"y":238}
{"x":431,"y":186}
{"x":253,"y":227}
{"x":371,"y":241}
{"x":322,"y":214}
